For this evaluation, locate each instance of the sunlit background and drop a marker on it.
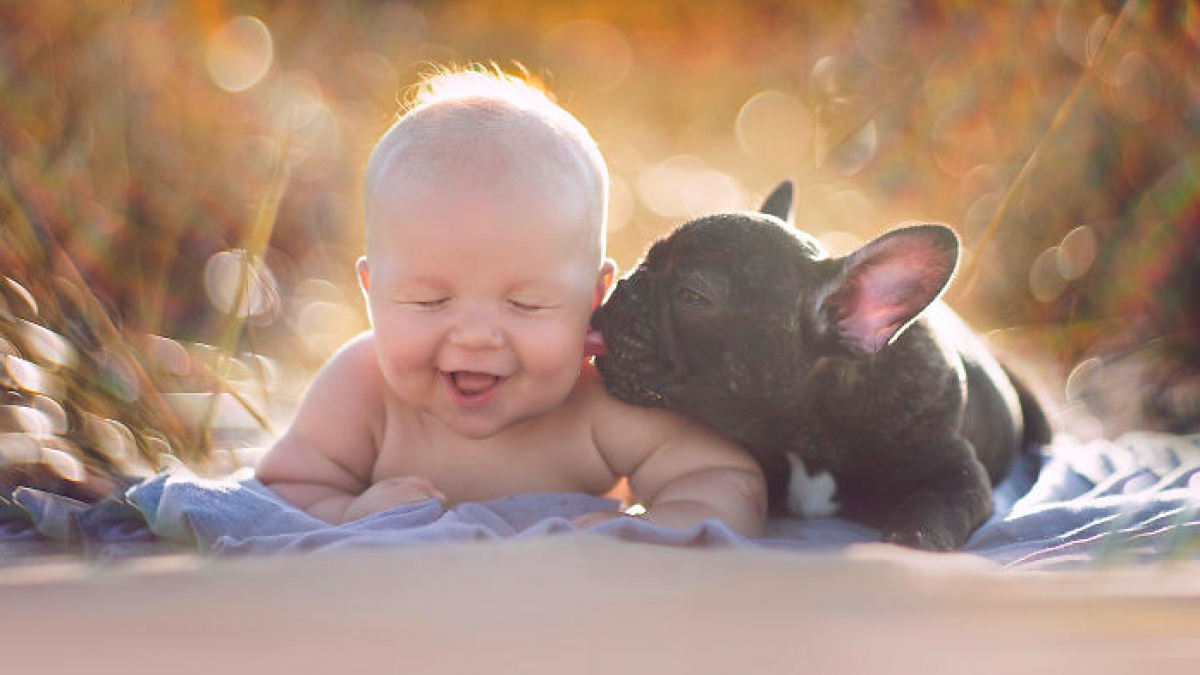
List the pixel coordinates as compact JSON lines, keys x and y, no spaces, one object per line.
{"x":179,"y":183}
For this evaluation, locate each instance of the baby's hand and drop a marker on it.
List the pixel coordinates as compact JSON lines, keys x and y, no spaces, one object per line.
{"x":390,"y":493}
{"x":596,"y":517}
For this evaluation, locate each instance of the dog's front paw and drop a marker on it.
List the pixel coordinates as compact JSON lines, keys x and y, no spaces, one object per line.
{"x":920,"y":538}
{"x":921,"y":527}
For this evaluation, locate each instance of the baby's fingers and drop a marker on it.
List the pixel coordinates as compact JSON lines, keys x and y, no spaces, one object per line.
{"x":595,"y":518}
{"x":390,"y":493}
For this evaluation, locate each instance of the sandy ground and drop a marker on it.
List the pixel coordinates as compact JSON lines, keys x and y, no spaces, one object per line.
{"x":584,"y":605}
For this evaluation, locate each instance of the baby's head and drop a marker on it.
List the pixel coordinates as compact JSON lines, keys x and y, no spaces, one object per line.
{"x":469,"y":127}
{"x":485,"y":207}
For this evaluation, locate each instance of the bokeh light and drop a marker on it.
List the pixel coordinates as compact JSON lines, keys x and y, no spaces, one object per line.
{"x":20,"y":296}
{"x":981,"y":212}
{"x":324,"y":319}
{"x":304,"y":122}
{"x":827,"y":85}
{"x":684,"y":186}
{"x":230,"y":277}
{"x":1072,"y":23}
{"x":1138,"y":86}
{"x":47,"y":346}
{"x":1077,"y":252}
{"x":850,"y":209}
{"x":962,"y":141}
{"x":165,"y":354}
{"x":110,"y":436}
{"x":590,"y":56}
{"x":62,"y":463}
{"x":239,"y":53}
{"x":1045,"y":278}
{"x":1086,"y":379}
{"x":23,"y":419}
{"x":620,"y":204}
{"x":849,"y":156}
{"x":839,"y":243}
{"x":775,"y":129}
{"x":18,"y":448}
{"x":31,"y":377}
{"x":53,"y":414}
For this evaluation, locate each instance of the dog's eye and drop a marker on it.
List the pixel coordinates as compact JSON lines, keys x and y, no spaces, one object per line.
{"x":690,"y":297}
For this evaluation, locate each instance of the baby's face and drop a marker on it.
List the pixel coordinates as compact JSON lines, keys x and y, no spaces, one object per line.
{"x":480,"y":296}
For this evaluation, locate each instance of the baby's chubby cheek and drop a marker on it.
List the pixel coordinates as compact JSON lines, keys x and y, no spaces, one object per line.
{"x":553,"y":352}
{"x":406,"y":357}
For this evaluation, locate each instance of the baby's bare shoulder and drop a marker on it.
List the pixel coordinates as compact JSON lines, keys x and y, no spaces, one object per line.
{"x":358,"y":353}
{"x":610,"y":416}
{"x":337,"y":425}
{"x":350,"y":378}
{"x":629,"y":435}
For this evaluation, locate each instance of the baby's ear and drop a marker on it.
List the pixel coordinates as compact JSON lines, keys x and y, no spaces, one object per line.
{"x":608,"y":272}
{"x":364,"y":274}
{"x":878,"y":290}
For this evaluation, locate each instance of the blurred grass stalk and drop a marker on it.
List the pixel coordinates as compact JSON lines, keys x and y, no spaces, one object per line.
{"x":44,"y":259}
{"x":970,"y":273}
{"x":154,"y":412}
{"x":253,"y":248}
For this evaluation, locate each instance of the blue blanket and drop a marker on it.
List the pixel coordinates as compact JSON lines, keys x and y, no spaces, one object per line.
{"x":1133,"y":500}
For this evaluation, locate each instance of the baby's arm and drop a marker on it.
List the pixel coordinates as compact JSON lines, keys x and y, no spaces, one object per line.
{"x":323,"y":462}
{"x":681,"y":470}
{"x":392,"y":492}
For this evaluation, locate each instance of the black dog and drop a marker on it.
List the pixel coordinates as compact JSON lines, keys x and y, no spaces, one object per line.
{"x":858,"y":392}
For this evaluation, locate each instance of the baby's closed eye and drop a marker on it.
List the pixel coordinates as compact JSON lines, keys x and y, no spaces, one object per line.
{"x":522,"y":305}
{"x":425,"y":303}
{"x":530,"y":305}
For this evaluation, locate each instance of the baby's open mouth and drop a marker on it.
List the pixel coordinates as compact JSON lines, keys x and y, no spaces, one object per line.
{"x":472,"y":384}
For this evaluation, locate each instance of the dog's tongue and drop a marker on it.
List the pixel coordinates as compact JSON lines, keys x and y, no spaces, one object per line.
{"x":473,"y":383}
{"x":593,"y":344}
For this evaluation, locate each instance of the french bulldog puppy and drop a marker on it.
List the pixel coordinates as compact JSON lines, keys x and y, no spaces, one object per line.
{"x":857,"y":390}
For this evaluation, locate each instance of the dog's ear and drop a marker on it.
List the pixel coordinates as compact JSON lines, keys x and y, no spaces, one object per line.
{"x":779,"y":202}
{"x":879,"y":290}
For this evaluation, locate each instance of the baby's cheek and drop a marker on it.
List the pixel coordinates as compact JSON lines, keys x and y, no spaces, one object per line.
{"x":555,"y":349}
{"x":403,"y":345}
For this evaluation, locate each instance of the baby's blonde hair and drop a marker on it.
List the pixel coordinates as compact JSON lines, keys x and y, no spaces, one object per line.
{"x":455,"y":112}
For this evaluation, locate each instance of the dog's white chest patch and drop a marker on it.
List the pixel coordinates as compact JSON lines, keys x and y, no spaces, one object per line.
{"x":810,"y":496}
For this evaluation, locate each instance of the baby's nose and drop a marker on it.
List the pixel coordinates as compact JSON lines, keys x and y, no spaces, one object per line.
{"x":477,"y":330}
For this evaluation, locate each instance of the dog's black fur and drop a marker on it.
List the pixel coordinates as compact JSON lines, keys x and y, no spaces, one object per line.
{"x":851,"y":364}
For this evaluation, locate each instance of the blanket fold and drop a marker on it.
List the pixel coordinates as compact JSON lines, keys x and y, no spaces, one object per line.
{"x":1136,"y":500}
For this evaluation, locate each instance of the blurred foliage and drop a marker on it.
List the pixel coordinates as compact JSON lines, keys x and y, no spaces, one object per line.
{"x":179,"y":181}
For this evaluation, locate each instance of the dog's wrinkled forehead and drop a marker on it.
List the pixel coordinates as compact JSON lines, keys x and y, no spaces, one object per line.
{"x":752,"y":246}
{"x":717,"y":303}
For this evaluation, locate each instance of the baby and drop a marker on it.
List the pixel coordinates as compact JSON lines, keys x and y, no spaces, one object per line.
{"x":485,"y":209}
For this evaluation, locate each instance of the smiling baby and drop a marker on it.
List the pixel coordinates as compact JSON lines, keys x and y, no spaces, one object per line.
{"x":485,"y":210}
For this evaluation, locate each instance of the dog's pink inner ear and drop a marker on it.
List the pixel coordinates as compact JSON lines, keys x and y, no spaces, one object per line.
{"x":889,"y":282}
